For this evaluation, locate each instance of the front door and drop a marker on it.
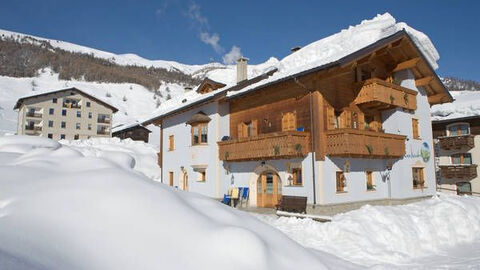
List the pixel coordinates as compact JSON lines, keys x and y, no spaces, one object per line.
{"x":269,"y":190}
{"x":185,"y":181}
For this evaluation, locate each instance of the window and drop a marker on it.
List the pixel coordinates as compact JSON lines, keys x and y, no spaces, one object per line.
{"x":79,"y":114}
{"x":76,"y":136}
{"x":369,"y":180}
{"x":89,"y":126}
{"x":171,"y":143}
{"x":289,"y":121}
{"x":199,"y":134}
{"x":247,"y":129}
{"x":50,"y":135}
{"x":458,"y":129}
{"x":50,"y":123}
{"x":88,"y":104}
{"x":63,"y":125}
{"x":62,"y":136}
{"x":202,"y":174}
{"x":90,"y":115}
{"x":462,"y":159}
{"x":170,"y":179}
{"x":64,"y":112}
{"x":51,"y":111}
{"x":415,"y":133}
{"x":297,"y":177}
{"x":464,"y":188}
{"x":77,"y":126}
{"x":341,"y":182}
{"x":418,"y":180}
{"x":54,"y":100}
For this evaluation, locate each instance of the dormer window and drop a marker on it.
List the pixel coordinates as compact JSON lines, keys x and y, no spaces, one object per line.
{"x":458,"y":129}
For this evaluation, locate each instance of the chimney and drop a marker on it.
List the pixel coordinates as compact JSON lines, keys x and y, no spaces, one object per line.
{"x":242,"y":69}
{"x":294,"y":49}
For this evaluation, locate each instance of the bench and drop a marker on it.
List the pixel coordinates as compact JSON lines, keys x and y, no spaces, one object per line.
{"x":295,"y":204}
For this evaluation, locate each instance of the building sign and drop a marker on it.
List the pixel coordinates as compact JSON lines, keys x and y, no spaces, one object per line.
{"x":423,"y":151}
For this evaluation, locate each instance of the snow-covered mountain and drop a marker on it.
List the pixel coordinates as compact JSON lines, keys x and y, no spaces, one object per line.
{"x":135,"y":85}
{"x":457,"y":84}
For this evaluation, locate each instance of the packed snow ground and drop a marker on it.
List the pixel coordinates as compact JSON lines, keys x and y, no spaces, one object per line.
{"x":82,"y":205}
{"x":443,"y":232}
{"x":60,"y":209}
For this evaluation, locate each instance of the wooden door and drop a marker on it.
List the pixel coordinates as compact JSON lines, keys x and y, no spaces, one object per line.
{"x":185,"y":181}
{"x":268,"y":190}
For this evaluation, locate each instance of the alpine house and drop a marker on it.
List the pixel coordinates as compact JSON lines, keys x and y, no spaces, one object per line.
{"x":342,"y":121}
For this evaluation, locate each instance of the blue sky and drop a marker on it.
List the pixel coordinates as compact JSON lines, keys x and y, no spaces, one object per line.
{"x":171,"y":29}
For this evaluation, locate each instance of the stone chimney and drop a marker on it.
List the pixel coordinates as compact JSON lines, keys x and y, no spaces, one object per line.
{"x":294,"y":49}
{"x":242,"y":69}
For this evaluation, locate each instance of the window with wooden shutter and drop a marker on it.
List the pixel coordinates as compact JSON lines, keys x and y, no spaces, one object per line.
{"x":415,"y":133}
{"x":253,"y":128}
{"x":418,"y":178}
{"x":289,"y":121}
{"x":170,"y":178}
{"x":341,"y":182}
{"x":370,"y":183}
{"x":171,"y":143}
{"x":240,"y":130}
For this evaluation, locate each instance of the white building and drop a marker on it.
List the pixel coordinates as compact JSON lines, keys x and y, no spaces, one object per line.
{"x":64,"y":114}
{"x":342,"y":133}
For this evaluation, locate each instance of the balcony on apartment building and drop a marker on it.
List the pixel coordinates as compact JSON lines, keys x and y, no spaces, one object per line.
{"x":103,"y":131}
{"x":381,"y":95}
{"x":348,"y":142}
{"x":103,"y":119}
{"x":456,"y":142}
{"x":33,"y":129}
{"x":34,"y":113}
{"x":459,"y":171}
{"x":277,"y":145}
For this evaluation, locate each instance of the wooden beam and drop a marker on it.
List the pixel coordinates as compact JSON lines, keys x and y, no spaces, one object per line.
{"x":423,"y":81}
{"x":407,"y":64}
{"x":435,"y":99}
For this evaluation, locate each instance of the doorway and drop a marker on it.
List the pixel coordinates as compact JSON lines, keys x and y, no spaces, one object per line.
{"x":185,"y":181}
{"x":269,"y":190}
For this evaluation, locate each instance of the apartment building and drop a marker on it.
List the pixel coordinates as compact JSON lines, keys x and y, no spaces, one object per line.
{"x":457,"y":154}
{"x":352,"y":131}
{"x":64,"y":114}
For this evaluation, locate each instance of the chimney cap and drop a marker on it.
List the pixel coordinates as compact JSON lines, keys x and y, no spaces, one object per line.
{"x":242,"y":59}
{"x":295,"y":48}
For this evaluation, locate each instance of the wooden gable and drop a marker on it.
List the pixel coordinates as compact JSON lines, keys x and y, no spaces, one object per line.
{"x":208,"y":86}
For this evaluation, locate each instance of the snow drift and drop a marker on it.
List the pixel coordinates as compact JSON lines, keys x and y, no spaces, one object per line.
{"x":391,"y":234}
{"x":60,"y":209}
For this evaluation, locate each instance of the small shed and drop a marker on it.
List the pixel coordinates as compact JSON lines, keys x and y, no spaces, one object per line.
{"x":136,"y":132}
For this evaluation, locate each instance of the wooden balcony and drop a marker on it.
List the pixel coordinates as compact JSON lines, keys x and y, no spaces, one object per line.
{"x":459,"y":171}
{"x":277,"y":145}
{"x":363,"y":143}
{"x":456,"y":142}
{"x":381,"y":95}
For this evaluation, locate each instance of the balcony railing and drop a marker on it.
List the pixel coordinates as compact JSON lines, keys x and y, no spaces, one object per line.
{"x":467,"y":171}
{"x":277,"y":145}
{"x":34,"y":114}
{"x":103,"y":120}
{"x":363,"y":143}
{"x":456,"y":142}
{"x":103,"y":132}
{"x":381,"y":95}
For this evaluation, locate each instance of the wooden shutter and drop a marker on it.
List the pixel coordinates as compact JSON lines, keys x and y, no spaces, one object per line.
{"x":292,"y":121}
{"x":285,"y":122}
{"x":254,"y":127}
{"x":377,"y":119}
{"x":240,"y":130}
{"x":361,"y":121}
{"x":415,"y":128}
{"x":348,"y":119}
{"x":330,"y":118}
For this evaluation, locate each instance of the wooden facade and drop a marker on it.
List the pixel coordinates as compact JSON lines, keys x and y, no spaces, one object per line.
{"x":382,"y":95}
{"x":136,"y":133}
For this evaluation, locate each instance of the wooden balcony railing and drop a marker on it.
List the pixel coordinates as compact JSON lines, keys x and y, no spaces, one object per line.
{"x":381,"y":95}
{"x":467,"y":171}
{"x":277,"y":145}
{"x":456,"y":142}
{"x":363,"y":143}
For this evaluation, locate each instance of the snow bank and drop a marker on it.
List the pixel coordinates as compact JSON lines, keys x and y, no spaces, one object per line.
{"x":467,"y":103}
{"x":390,"y":234}
{"x":62,"y":210}
{"x":126,"y":153}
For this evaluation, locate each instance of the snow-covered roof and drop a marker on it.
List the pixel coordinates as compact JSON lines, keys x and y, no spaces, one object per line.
{"x":126,"y":126}
{"x":466,"y":104}
{"x":324,"y":53}
{"x":85,"y":92}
